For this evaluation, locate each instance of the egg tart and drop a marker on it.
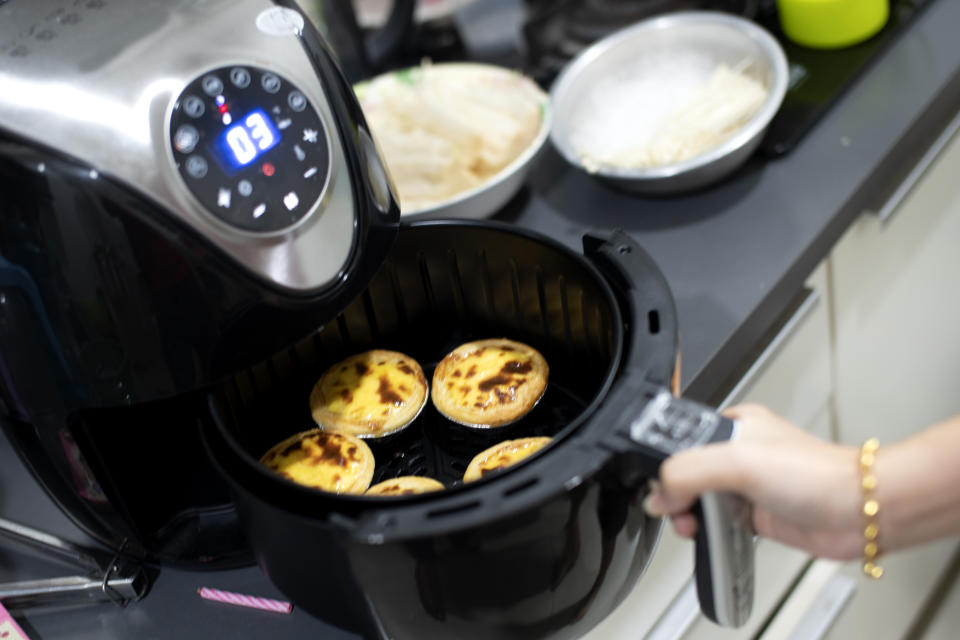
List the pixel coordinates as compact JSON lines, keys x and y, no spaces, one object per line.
{"x":327,"y":460}
{"x":489,"y":383}
{"x":502,"y":455}
{"x":370,"y":394}
{"x":404,"y":486}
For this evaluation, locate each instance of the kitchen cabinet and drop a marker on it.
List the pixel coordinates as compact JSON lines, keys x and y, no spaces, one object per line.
{"x":896,"y":295}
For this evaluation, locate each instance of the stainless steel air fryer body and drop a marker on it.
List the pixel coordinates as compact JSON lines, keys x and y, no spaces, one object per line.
{"x":188,"y":187}
{"x":152,"y":72}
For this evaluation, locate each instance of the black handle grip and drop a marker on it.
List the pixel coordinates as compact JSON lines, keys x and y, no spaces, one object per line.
{"x":724,"y":558}
{"x":652,"y":425}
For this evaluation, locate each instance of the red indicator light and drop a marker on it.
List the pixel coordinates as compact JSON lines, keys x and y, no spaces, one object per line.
{"x":223,"y":108}
{"x":268,"y":169}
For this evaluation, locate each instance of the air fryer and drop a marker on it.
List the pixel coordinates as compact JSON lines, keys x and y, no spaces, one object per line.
{"x":195,"y":224}
{"x":187,"y":188}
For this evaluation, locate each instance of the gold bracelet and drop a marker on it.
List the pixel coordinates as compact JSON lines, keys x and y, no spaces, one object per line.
{"x":868,"y":482}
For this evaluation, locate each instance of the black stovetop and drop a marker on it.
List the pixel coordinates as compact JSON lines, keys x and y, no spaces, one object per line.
{"x":819,"y":77}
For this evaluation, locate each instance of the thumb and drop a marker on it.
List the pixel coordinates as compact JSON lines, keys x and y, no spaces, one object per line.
{"x":687,"y":474}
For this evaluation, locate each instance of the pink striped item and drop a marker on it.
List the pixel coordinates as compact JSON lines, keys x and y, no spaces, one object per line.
{"x":9,"y":629}
{"x":243,"y":600}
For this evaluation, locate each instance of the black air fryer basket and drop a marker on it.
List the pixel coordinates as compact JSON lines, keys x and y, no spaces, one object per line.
{"x":548,"y":547}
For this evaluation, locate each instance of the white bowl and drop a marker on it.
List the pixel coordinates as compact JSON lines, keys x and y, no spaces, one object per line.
{"x":495,"y":191}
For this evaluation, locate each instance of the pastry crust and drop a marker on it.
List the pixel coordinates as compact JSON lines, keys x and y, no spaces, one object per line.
{"x":327,"y":460}
{"x":489,"y":383}
{"x":404,"y":486}
{"x":502,"y":455}
{"x":370,"y":394}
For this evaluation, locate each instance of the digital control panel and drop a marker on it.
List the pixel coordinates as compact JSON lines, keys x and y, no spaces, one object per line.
{"x":250,"y":147}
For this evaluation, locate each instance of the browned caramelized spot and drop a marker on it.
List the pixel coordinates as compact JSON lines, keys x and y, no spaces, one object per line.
{"x":514,"y":366}
{"x":385,"y":412}
{"x":495,"y":381}
{"x":332,"y":452}
{"x":472,"y":372}
{"x":403,"y":389}
{"x":361,"y":368}
{"x":290,"y":449}
{"x":457,"y":373}
{"x":503,"y":396}
{"x":286,"y":475}
{"x":404,"y":367}
{"x":387,"y":394}
{"x":480,"y":351}
{"x":382,"y":362}
{"x":465,"y":389}
{"x":336,"y":477}
{"x":346,"y":395}
{"x":506,"y":348}
{"x":479,"y":405}
{"x":449,"y":385}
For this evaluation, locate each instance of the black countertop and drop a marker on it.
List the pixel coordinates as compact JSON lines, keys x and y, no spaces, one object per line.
{"x":734,"y":256}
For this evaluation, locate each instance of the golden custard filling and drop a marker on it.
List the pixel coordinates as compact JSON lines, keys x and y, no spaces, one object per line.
{"x":488,"y":377}
{"x":372,"y":393}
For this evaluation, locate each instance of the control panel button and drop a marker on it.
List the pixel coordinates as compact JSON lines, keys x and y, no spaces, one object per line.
{"x":193,"y":106}
{"x":244,"y":188}
{"x":240,"y":77}
{"x":186,"y":138}
{"x":197,"y":167}
{"x":270,"y":83}
{"x":212,"y":85}
{"x":297,"y":101}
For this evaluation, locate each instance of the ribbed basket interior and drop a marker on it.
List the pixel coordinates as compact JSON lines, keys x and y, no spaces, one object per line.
{"x":442,"y":286}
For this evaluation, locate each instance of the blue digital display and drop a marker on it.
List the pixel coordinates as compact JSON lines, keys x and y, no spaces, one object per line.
{"x":253,"y":135}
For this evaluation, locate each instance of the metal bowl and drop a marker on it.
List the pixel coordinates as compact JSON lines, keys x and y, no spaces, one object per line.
{"x":637,"y":50}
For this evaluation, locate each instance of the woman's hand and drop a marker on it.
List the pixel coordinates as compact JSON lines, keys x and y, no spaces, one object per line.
{"x":805,"y":491}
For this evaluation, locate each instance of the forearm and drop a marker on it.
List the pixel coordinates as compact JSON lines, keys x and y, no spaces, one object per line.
{"x":918,"y":487}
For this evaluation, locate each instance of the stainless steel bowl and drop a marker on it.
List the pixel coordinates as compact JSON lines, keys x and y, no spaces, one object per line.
{"x":717,"y":38}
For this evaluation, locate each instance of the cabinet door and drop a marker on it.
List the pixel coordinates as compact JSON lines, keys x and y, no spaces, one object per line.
{"x":896,"y":295}
{"x":835,"y":601}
